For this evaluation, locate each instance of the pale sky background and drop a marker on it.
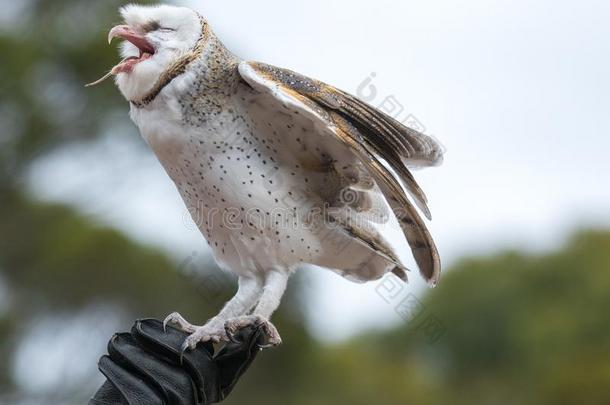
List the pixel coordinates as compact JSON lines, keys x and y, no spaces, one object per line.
{"x":517,"y":91}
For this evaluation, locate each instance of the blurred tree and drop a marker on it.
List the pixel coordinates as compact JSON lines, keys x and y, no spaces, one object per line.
{"x":50,"y":50}
{"x":55,"y":261}
{"x":520,"y":329}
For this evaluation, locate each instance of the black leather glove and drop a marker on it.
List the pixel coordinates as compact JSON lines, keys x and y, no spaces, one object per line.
{"x":147,"y":367}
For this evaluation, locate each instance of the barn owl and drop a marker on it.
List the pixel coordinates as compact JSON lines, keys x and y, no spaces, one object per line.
{"x":278,"y":170}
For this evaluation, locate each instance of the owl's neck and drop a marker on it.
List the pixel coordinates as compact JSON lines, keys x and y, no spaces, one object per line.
{"x":212,"y":65}
{"x":216,"y":68}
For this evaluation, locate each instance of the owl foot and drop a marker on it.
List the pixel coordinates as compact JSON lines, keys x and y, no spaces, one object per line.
{"x":213,"y":331}
{"x":232,"y":326}
{"x":177,"y":321}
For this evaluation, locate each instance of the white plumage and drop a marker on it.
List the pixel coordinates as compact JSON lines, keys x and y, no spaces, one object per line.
{"x":278,"y":170}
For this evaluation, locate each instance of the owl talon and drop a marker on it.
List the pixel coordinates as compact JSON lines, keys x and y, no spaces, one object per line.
{"x":183,"y":350}
{"x":232,"y":337}
{"x":207,"y":333}
{"x":176,"y":320}
{"x":232,"y":326}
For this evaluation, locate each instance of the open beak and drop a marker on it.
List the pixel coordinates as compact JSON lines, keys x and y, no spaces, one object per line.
{"x":129,"y":34}
{"x":127,"y":65}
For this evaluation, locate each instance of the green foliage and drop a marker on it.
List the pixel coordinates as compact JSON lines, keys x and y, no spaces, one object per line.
{"x":520,"y":329}
{"x":56,"y":261}
{"x":53,"y":50}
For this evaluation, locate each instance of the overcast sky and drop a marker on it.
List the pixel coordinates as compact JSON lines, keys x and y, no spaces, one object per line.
{"x":518,"y":92}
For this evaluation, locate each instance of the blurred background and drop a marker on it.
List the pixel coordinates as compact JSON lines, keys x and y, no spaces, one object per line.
{"x":93,"y":234}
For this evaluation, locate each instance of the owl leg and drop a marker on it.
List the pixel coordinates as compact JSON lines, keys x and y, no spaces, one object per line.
{"x":214,"y":331}
{"x":273,"y":290}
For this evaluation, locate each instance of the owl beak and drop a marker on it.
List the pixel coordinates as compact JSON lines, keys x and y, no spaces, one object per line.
{"x":132,"y":35}
{"x":137,"y":38}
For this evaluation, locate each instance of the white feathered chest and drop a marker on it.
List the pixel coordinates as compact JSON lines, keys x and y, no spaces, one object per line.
{"x":256,"y":181}
{"x":274,"y":179}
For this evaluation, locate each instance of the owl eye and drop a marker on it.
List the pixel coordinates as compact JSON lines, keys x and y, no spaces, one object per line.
{"x":151,"y":26}
{"x":166,"y":29}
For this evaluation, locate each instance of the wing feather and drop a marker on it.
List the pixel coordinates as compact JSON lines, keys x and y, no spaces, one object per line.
{"x":372,"y":136}
{"x":394,"y":142}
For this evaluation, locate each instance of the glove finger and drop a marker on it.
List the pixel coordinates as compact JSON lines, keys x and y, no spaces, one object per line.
{"x":171,"y":380}
{"x":198,"y":362}
{"x":133,"y":390}
{"x":168,"y":341}
{"x":235,"y":358}
{"x":107,"y":395}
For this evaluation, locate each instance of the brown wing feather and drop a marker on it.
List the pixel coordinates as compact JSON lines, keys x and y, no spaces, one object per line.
{"x":391,"y":140}
{"x":371,"y":135}
{"x":419,"y":239}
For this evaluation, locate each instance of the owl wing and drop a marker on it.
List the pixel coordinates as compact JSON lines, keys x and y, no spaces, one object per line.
{"x":372,"y":137}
